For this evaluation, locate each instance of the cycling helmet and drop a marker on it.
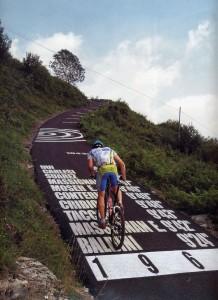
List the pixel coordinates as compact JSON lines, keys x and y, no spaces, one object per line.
{"x":97,"y":144}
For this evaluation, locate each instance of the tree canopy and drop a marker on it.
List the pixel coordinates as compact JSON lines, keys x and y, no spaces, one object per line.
{"x":67,"y":67}
{"x":31,"y":62}
{"x":5,"y":44}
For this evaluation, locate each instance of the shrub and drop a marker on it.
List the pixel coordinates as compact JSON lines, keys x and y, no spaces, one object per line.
{"x":5,"y":44}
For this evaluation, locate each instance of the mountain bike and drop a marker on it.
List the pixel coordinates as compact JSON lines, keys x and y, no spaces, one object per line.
{"x":114,"y":215}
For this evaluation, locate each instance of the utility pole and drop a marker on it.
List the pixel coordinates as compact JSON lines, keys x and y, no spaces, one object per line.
{"x":179,"y":133}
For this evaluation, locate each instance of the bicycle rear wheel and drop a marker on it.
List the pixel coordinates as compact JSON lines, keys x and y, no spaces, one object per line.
{"x":117,"y":227}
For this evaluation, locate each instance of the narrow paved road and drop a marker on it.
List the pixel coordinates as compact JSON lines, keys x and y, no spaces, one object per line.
{"x":165,"y":255}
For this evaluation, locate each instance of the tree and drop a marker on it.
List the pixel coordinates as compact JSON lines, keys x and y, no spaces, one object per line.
{"x":5,"y":44}
{"x":38,"y":74}
{"x":67,"y":67}
{"x":190,"y":141}
{"x":31,"y":62}
{"x":210,"y":150}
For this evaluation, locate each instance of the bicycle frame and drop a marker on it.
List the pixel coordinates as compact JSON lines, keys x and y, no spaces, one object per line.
{"x":108,"y":190}
{"x":115,"y":217}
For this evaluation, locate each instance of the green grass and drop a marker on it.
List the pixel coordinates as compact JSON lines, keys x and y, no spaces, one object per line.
{"x":26,"y":228}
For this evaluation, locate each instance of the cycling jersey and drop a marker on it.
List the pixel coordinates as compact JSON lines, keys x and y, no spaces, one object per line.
{"x":104,"y":159}
{"x":107,"y":169}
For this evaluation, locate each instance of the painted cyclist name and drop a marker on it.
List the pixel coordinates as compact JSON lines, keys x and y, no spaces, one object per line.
{"x":80,"y":204}
{"x":76,"y":195}
{"x":91,"y":245}
{"x":91,"y":228}
{"x":70,"y":181}
{"x":77,"y":199}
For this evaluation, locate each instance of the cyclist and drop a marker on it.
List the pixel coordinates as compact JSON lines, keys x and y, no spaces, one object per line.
{"x":106,"y":160}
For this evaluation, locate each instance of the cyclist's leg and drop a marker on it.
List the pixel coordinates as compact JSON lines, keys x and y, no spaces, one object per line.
{"x":101,"y":203}
{"x":120,"y":197}
{"x":114,"y":187}
{"x":100,"y":195}
{"x":101,"y":186}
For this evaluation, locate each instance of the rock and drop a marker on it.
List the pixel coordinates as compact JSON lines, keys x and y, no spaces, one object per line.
{"x":13,"y":289}
{"x":200,"y":219}
{"x":204,"y":221}
{"x":32,"y":280}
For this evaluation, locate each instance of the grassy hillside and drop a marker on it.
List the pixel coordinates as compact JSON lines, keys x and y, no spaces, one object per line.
{"x":27,"y":96}
{"x":184,"y":172}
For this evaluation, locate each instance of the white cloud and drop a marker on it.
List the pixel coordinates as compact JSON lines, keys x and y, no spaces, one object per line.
{"x":45,"y":47}
{"x":197,"y":110}
{"x":197,"y":37}
{"x":151,"y":67}
{"x":136,"y":65}
{"x":15,"y":49}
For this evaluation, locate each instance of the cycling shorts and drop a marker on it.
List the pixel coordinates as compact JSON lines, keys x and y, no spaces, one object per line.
{"x":101,"y":180}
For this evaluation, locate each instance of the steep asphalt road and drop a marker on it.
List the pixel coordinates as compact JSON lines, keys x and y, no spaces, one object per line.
{"x":165,"y":255}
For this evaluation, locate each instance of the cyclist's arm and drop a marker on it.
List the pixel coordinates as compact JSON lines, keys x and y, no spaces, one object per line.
{"x":91,"y":166}
{"x":121,"y":166}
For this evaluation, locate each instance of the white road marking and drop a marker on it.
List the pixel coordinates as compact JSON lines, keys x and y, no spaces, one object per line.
{"x":59,"y":135}
{"x":149,"y":264}
{"x":58,"y":141}
{"x":76,"y":153}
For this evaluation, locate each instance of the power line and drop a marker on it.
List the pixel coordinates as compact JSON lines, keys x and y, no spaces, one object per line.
{"x":203,"y":126}
{"x":28,"y":39}
{"x":111,"y":79}
{"x":88,"y":68}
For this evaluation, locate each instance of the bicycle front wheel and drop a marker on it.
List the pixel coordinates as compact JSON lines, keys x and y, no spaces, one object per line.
{"x":118,"y":227}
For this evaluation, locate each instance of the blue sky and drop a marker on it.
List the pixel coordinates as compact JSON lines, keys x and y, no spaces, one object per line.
{"x":104,"y":22}
{"x":162,"y":50}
